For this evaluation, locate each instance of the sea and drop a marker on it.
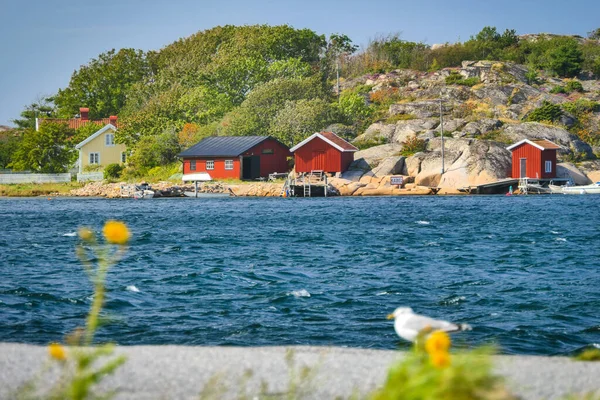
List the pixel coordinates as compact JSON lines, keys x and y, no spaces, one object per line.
{"x":524,"y":271}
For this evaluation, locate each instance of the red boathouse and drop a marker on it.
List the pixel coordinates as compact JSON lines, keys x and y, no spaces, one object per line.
{"x":534,"y":159}
{"x":236,"y":157}
{"x":323,"y":151}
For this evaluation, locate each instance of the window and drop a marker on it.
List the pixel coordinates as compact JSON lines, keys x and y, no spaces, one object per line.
{"x":267,"y":151}
{"x":228,"y":164}
{"x":548,"y":166}
{"x":94,"y":158}
{"x":192,"y":165}
{"x":210,"y":164}
{"x":110,"y":139}
{"x":123,"y":157}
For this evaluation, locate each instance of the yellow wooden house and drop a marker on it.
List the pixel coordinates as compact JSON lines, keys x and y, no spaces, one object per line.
{"x":100,"y":149}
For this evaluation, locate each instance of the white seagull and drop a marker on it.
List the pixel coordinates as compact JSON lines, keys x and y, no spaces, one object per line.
{"x":407,"y":324}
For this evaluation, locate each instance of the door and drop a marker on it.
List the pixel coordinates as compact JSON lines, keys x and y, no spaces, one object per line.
{"x":523,"y":166}
{"x":318,"y":160}
{"x":251,"y":167}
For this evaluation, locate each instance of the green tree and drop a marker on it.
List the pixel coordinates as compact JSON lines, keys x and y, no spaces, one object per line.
{"x":9,"y":143}
{"x":256,"y":113}
{"x":84,"y":132}
{"x":299,"y":119}
{"x":42,"y":108}
{"x":154,"y":151}
{"x":48,"y":150}
{"x":595,"y":34}
{"x":566,"y":60}
{"x":338,"y":47}
{"x":353,"y":108}
{"x":103,"y":83}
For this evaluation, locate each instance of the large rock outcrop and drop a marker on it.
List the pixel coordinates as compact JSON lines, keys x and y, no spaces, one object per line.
{"x":568,"y":142}
{"x":467,"y":162}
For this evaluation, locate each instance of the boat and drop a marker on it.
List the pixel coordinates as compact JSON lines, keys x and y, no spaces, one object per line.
{"x":594,"y":188}
{"x":206,"y":195}
{"x":143,"y":194}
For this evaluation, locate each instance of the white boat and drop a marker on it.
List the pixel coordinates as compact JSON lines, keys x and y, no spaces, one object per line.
{"x":594,"y":188}
{"x":206,"y":195}
{"x":143,"y":194}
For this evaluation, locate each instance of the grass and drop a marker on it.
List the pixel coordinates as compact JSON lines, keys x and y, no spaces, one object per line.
{"x":38,"y":189}
{"x":365,"y":144}
{"x":589,"y":355}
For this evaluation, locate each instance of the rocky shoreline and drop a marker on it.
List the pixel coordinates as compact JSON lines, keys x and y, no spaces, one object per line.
{"x":366,"y":186}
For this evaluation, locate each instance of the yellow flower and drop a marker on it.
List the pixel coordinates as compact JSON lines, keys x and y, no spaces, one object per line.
{"x":86,"y":234}
{"x":116,"y":232}
{"x":440,"y":359}
{"x":57,"y":352}
{"x":437,"y":342}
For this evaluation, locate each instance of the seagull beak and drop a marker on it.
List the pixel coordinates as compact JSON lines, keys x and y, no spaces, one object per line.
{"x":390,"y":316}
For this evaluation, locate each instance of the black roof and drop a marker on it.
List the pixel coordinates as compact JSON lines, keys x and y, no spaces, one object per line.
{"x":223,"y":146}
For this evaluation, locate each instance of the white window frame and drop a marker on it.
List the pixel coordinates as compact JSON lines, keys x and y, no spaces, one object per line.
{"x":228,"y":164}
{"x":109,"y":139}
{"x":192,"y":165}
{"x":210,"y":165}
{"x":548,"y":166}
{"x":94,"y":158}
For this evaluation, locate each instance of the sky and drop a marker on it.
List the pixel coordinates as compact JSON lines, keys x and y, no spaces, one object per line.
{"x":43,"y":42}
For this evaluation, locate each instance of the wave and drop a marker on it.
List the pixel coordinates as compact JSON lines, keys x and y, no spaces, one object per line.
{"x":299,"y":293}
{"x":132,"y":288}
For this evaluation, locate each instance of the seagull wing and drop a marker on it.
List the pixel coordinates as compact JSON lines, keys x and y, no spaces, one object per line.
{"x":419,"y":322}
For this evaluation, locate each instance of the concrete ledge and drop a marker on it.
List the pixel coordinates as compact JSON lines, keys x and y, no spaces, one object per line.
{"x":169,"y":372}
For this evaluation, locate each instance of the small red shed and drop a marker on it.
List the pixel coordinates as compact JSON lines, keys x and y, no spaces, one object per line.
{"x":236,"y":157}
{"x":323,"y":151}
{"x":534,"y":159}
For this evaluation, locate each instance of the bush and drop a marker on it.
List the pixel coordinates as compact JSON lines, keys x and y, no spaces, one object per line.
{"x":457,"y":79}
{"x":413,"y":145}
{"x":558,"y":89}
{"x":92,"y":168}
{"x":112,"y":171}
{"x":496,"y":135}
{"x":365,"y":144}
{"x":580,"y":107}
{"x":430,"y":371}
{"x":453,"y":78}
{"x":574,"y":86}
{"x":385,"y":96}
{"x":566,"y":60}
{"x":399,"y":117}
{"x":547,"y":112}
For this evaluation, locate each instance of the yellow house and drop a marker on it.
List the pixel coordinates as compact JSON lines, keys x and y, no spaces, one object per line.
{"x":101,"y":149}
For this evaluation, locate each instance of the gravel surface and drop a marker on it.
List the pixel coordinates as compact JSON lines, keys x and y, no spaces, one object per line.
{"x":178,"y":372}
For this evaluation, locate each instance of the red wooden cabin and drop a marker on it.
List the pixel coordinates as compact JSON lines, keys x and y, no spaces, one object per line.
{"x":323,"y":151}
{"x":236,"y":157}
{"x":534,"y":159}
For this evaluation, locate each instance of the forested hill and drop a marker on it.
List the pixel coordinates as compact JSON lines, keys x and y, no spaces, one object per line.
{"x":279,"y":81}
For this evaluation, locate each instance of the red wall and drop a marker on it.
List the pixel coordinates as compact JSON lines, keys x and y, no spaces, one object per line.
{"x":270,"y":163}
{"x":219,"y":172}
{"x":335,"y":160}
{"x":535,"y":161}
{"x":347,"y":159}
{"x":548,"y":155}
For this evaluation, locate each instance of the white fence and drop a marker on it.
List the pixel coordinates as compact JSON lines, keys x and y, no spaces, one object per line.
{"x":90,"y":176}
{"x":6,"y":179}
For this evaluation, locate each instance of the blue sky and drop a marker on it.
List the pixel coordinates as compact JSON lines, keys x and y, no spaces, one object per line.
{"x":43,"y":42}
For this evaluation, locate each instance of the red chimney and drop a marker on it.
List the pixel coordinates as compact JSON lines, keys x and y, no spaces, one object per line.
{"x":113,"y":120}
{"x":84,"y":113}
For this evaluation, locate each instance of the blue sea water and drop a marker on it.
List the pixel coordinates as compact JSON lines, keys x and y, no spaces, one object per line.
{"x":523,"y":271}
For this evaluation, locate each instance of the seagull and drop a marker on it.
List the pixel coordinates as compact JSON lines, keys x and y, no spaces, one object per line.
{"x":407,"y":324}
